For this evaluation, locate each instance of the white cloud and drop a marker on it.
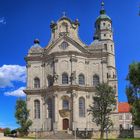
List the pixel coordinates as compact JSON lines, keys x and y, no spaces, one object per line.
{"x":18,"y":92}
{"x":10,"y":125}
{"x":10,"y":74}
{"x":2,"y":20}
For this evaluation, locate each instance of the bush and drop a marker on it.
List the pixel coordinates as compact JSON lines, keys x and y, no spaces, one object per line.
{"x":7,"y":131}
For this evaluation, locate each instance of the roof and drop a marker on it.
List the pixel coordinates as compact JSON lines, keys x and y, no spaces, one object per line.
{"x":103,"y":16}
{"x":123,"y":107}
{"x":2,"y":129}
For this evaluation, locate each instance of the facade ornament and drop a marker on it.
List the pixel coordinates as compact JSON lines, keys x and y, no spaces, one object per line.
{"x":55,"y":95}
{"x":73,"y":59}
{"x":43,"y":64}
{"x":103,"y":60}
{"x":53,"y":26}
{"x":28,"y":65}
{"x":74,"y":95}
{"x":28,"y":98}
{"x":73,"y":76}
{"x":55,"y":60}
{"x":87,"y":62}
{"x":87,"y":96}
{"x":55,"y":76}
{"x":64,"y":113}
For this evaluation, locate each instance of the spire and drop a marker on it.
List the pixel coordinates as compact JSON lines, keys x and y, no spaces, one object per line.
{"x":64,"y":14}
{"x":102,"y":11}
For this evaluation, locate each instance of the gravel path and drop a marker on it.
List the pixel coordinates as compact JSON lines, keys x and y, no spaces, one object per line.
{"x":9,"y":138}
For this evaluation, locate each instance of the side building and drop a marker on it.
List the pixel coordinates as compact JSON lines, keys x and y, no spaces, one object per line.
{"x":62,"y":76}
{"x":125,"y":117}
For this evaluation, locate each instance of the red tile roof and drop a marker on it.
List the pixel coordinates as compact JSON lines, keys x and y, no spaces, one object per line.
{"x":123,"y":107}
{"x":1,"y":129}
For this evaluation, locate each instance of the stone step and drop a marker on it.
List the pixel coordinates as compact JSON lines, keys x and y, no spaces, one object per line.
{"x":61,"y":135}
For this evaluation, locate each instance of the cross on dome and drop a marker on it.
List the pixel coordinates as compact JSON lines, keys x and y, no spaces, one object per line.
{"x":64,"y":14}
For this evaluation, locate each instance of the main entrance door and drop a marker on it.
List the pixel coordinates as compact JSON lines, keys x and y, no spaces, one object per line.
{"x":65,"y":124}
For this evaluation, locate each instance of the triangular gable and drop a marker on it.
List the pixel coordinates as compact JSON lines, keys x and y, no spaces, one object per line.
{"x":72,"y":46}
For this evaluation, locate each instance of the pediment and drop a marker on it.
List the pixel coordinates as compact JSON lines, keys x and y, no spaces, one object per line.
{"x":65,"y":44}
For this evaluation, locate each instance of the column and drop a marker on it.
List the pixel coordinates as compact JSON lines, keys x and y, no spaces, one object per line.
{"x":74,"y":110}
{"x":55,"y":112}
{"x":55,"y":71}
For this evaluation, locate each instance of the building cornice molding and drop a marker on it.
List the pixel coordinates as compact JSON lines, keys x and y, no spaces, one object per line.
{"x":68,"y":88}
{"x":96,"y":54}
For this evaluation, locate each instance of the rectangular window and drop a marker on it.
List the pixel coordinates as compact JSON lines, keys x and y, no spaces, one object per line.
{"x":105,"y":46}
{"x":120,"y":117}
{"x":127,"y":116}
{"x":65,"y":104}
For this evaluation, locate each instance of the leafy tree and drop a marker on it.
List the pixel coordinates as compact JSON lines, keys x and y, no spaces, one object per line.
{"x":133,"y":91}
{"x":103,"y":104}
{"x":7,"y":131}
{"x":22,"y":114}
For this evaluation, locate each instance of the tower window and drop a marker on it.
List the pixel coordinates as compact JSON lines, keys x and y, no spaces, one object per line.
{"x":81,"y":79}
{"x":107,"y":75}
{"x":65,"y":78}
{"x":96,"y":80}
{"x":81,"y":107}
{"x":50,"y":81}
{"x":104,"y":34}
{"x":112,"y":48}
{"x":37,"y":109}
{"x":36,"y":82}
{"x":104,"y":24}
{"x":49,"y":102}
{"x":99,"y":27}
{"x":105,"y":46}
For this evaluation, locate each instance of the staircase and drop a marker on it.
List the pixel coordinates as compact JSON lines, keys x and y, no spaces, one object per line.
{"x":60,"y":135}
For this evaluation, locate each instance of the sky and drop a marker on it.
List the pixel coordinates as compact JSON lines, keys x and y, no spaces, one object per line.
{"x":22,"y":21}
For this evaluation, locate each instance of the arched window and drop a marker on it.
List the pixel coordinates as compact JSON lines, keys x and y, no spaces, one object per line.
{"x":96,"y":80}
{"x":65,"y":79}
{"x":81,"y":107}
{"x":37,"y":109}
{"x":64,"y":27}
{"x":81,"y":79}
{"x":50,"y":81}
{"x":65,"y":104}
{"x":49,"y":108}
{"x":36,"y":82}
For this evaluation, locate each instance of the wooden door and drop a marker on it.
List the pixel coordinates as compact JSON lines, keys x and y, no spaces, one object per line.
{"x":65,"y":124}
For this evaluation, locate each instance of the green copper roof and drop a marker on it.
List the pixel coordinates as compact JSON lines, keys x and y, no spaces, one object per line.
{"x":103,"y":13}
{"x":103,"y":16}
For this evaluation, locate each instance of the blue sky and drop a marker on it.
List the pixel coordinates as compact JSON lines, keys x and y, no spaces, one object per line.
{"x":30,"y":19}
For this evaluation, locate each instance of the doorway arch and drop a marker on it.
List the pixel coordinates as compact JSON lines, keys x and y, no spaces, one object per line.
{"x":65,"y":124}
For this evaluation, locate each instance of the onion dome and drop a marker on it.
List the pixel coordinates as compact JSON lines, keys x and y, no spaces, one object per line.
{"x":103,"y":14}
{"x":36,"y":48}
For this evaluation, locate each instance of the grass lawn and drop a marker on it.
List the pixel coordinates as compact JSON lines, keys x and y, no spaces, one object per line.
{"x":98,"y":139}
{"x":131,"y":139}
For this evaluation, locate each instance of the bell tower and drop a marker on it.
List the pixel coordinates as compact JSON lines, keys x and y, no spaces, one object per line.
{"x":104,"y":34}
{"x":103,"y":25}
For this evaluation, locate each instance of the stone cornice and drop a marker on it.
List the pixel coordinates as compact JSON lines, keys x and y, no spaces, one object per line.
{"x":29,"y":91}
{"x":68,"y":88}
{"x":112,"y":67}
{"x":69,"y":53}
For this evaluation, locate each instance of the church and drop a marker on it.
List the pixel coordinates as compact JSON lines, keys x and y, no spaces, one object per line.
{"x":62,"y":76}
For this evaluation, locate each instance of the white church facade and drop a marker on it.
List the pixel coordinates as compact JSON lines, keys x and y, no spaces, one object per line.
{"x":61,"y":77}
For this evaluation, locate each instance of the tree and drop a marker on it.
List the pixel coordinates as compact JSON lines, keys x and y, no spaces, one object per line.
{"x":22,"y":114}
{"x":7,"y":131}
{"x":133,"y":91}
{"x":103,"y":104}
